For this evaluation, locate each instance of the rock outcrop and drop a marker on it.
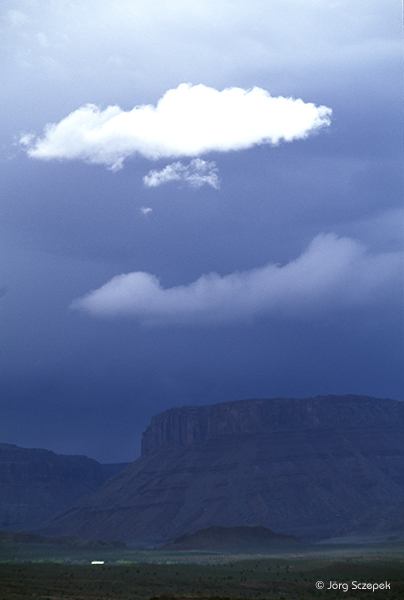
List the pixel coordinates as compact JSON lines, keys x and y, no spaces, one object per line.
{"x":35,"y":484}
{"x":306,"y":467}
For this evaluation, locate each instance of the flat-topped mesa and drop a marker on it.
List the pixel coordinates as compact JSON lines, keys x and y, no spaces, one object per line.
{"x":312,"y":468}
{"x":191,"y":425}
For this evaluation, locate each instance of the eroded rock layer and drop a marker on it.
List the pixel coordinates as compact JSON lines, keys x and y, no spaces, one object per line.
{"x":307,"y":467}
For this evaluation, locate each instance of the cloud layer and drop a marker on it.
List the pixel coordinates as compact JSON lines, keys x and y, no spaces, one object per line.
{"x":333,"y":272}
{"x":187,"y":121}
{"x":198,"y":173}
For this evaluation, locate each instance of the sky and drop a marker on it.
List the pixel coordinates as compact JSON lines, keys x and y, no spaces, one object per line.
{"x":200,"y":202}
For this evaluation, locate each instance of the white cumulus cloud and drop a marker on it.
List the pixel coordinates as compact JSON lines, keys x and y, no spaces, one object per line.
{"x":187,"y":121}
{"x":198,"y":173}
{"x":333,"y":272}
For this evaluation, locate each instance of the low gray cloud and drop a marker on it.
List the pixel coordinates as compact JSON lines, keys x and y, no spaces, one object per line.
{"x":332,"y":272}
{"x":198,"y":173}
{"x":187,"y":121}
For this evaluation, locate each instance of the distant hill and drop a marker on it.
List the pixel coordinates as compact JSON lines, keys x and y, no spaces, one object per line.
{"x":243,"y":539}
{"x":35,"y":484}
{"x":311,"y":467}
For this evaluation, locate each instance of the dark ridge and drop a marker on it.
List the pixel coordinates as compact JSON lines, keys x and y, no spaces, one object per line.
{"x":36,"y":483}
{"x":242,"y":538}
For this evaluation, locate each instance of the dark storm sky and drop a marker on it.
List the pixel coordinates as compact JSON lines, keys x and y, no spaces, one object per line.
{"x":215,"y":212}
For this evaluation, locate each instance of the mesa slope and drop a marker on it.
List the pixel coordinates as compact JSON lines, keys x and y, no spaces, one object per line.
{"x":310,"y":467}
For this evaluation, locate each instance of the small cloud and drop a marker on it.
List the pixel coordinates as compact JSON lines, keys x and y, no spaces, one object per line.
{"x":145,"y":211}
{"x":198,"y":173}
{"x":332,"y":273}
{"x":26,"y":139}
{"x":187,"y":121}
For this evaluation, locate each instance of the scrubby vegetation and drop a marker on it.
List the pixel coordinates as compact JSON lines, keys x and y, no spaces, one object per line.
{"x":136,"y":575}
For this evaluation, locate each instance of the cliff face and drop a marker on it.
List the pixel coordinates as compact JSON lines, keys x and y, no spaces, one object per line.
{"x":188,"y":426}
{"x":34,"y":484}
{"x":308,"y":467}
